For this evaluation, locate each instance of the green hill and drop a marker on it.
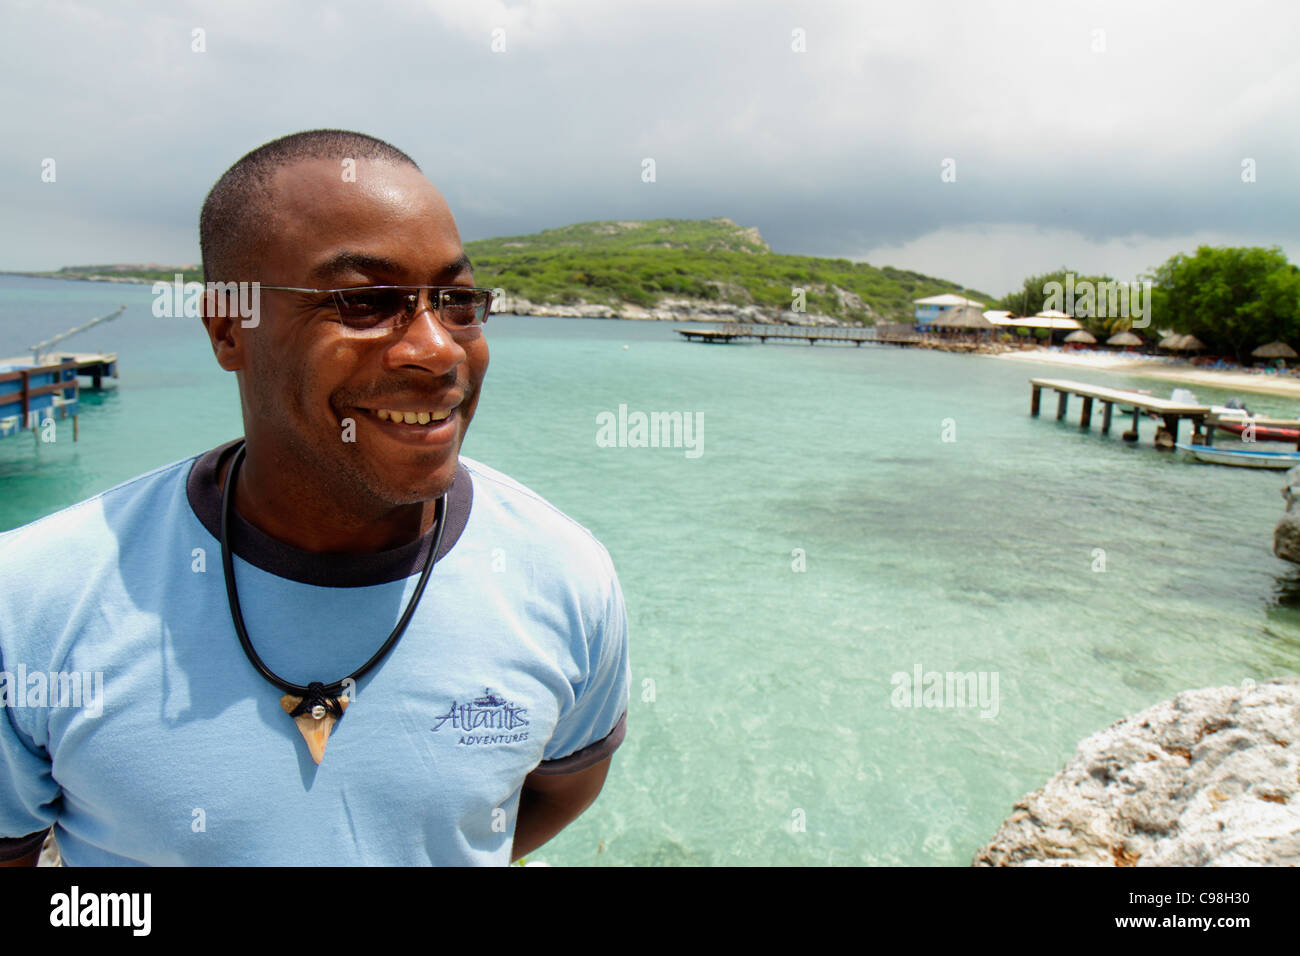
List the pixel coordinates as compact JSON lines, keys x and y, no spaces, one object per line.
{"x":709,"y":262}
{"x":660,"y":268}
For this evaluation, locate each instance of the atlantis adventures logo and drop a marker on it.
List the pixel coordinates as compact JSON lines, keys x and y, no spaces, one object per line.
{"x":486,"y":713}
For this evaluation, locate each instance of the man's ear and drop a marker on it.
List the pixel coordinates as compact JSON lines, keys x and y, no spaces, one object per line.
{"x":224,"y":330}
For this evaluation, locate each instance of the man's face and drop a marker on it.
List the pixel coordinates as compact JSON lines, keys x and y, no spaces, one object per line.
{"x":306,"y":376}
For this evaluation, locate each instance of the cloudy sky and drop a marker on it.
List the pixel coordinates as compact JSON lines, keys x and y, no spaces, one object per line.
{"x":1102,"y":136}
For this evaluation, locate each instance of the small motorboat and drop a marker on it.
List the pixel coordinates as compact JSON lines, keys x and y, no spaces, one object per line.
{"x":1262,"y":432}
{"x":1241,"y":457}
{"x":1233,"y":416}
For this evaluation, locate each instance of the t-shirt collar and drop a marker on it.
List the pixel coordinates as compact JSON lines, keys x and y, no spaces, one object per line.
{"x":310,"y":567}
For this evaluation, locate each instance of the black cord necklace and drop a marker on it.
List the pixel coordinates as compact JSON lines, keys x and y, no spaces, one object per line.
{"x":317,"y":707}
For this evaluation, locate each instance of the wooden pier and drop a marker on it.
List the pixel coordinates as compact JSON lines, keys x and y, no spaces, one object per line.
{"x":1171,"y":413}
{"x":31,"y":396}
{"x":95,"y":365}
{"x":812,"y":334}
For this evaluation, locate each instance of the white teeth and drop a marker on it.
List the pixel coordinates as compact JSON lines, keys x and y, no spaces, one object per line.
{"x":412,"y":418}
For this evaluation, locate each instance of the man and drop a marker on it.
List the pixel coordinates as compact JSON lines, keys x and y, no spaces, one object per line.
{"x":277,"y":711}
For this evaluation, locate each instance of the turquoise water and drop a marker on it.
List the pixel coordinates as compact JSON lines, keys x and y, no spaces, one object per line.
{"x":761,"y":728}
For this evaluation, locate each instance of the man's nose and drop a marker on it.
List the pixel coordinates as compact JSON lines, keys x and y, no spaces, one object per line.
{"x":426,"y":342}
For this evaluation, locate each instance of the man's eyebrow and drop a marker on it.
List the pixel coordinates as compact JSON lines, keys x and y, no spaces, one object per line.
{"x":378,"y":265}
{"x":458,"y":266}
{"x":353,"y":262}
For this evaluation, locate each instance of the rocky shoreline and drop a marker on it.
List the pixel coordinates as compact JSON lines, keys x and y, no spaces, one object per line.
{"x":666,"y":310}
{"x":1209,"y":778}
{"x":83,"y":277}
{"x":1286,"y":536}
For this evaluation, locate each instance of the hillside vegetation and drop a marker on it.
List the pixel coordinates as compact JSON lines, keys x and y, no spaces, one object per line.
{"x":709,"y":267}
{"x":710,"y":261}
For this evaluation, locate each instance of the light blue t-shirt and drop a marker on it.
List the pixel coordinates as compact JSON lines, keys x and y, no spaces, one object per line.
{"x":155,"y":741}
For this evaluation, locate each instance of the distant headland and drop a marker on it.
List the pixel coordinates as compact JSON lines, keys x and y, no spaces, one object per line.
{"x":665,"y":269}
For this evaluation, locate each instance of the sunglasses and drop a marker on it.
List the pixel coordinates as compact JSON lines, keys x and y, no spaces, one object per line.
{"x":363,"y":308}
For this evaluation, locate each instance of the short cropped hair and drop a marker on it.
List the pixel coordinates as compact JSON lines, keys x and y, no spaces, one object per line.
{"x":238,"y":215}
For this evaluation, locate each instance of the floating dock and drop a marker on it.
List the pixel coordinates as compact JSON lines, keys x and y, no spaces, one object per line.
{"x":1171,"y":413}
{"x":35,"y":391}
{"x":812,"y":334}
{"x":31,"y":395}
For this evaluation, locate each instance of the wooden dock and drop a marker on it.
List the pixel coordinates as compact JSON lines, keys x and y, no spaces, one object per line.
{"x":30,"y":396}
{"x":1171,"y":413}
{"x":95,"y":365}
{"x":33,"y":394}
{"x":812,"y":334}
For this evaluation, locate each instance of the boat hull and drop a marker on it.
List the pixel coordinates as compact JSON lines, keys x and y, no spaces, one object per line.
{"x":1262,"y":432}
{"x":1242,"y":459}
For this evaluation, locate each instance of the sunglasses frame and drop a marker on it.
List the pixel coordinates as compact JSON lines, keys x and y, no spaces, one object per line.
{"x":406,"y":314}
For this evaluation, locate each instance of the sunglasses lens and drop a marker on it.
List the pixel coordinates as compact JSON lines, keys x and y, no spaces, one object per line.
{"x":464,"y":308}
{"x":372,"y":308}
{"x":383,"y":308}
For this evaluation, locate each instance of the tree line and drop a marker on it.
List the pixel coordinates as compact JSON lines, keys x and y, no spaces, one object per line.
{"x":1233,"y":299}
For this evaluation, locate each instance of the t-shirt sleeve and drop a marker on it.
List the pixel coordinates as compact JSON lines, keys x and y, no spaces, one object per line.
{"x":595,"y":725}
{"x":28,"y":791}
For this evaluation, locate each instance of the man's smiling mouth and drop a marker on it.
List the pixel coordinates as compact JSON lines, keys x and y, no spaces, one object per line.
{"x":425,"y":426}
{"x":412,"y":418}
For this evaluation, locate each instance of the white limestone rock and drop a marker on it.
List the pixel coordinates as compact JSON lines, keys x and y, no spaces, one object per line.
{"x":1209,"y":778}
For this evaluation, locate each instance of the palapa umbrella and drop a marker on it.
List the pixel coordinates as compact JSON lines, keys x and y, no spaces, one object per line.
{"x":1173,"y":342}
{"x":1192,"y":344}
{"x":1081,"y":337}
{"x":1124,"y":338}
{"x":1274,"y":350}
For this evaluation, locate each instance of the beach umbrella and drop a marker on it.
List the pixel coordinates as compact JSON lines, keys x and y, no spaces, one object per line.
{"x":1192,"y":344}
{"x":1173,"y":342}
{"x":1081,"y":337}
{"x":1123,"y":338}
{"x":1274,"y":350}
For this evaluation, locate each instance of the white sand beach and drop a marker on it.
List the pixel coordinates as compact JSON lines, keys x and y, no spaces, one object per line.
{"x":1270,"y":383}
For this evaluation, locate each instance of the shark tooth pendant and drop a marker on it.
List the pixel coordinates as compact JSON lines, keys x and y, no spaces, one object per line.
{"x":315,"y":717}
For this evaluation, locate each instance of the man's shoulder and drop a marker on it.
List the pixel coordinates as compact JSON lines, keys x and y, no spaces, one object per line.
{"x":77,"y":528}
{"x":502,"y":499}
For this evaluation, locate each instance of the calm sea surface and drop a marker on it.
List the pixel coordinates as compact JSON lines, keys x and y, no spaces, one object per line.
{"x":762,"y":727}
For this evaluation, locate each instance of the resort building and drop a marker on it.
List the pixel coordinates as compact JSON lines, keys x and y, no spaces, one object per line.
{"x":934,"y":306}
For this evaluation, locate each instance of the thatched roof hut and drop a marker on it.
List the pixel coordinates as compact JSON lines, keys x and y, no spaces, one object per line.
{"x":896,"y":332}
{"x":1274,"y":350}
{"x":964,"y":317}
